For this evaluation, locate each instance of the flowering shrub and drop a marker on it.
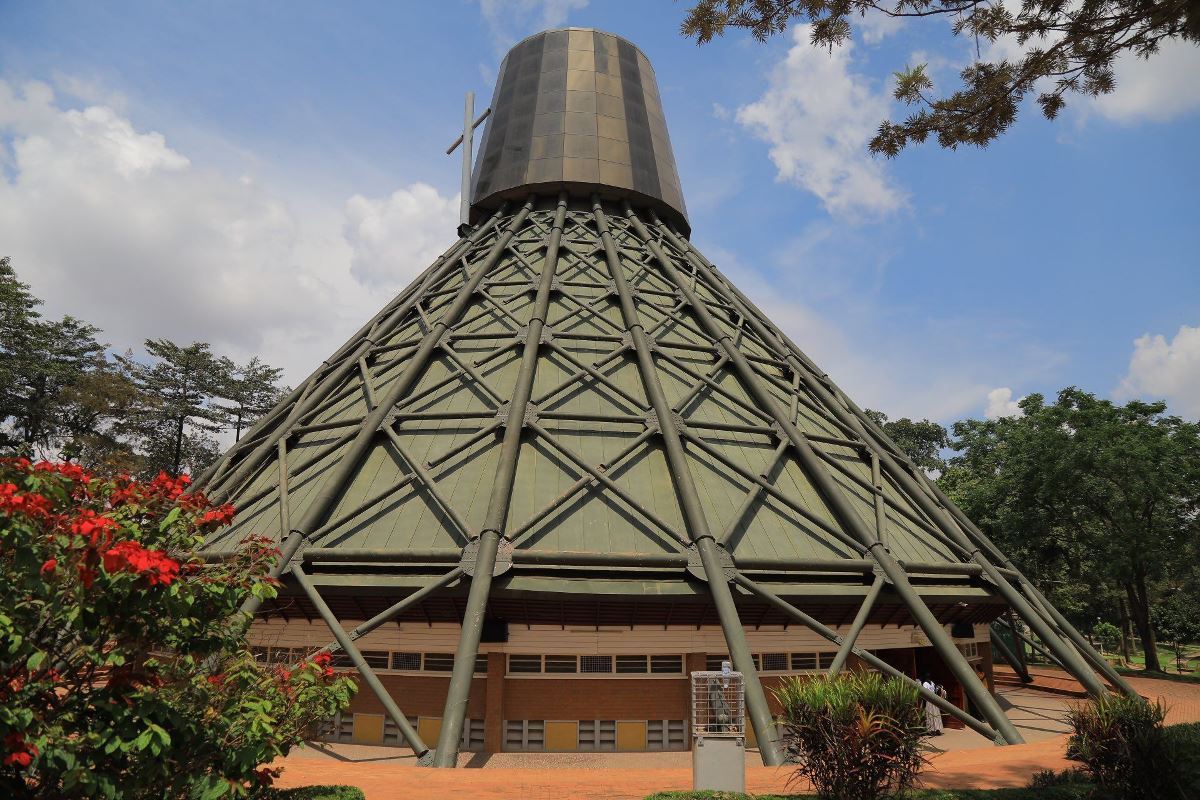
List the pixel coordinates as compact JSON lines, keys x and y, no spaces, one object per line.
{"x":124,"y":670}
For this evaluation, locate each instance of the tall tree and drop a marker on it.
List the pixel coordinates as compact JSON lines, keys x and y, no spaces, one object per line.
{"x":1065,"y":49}
{"x":43,"y":366}
{"x":1105,"y":493}
{"x":249,"y":391}
{"x":174,"y":425}
{"x":922,"y":441}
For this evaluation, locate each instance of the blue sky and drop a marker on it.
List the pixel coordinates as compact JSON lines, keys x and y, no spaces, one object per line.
{"x":264,"y":176}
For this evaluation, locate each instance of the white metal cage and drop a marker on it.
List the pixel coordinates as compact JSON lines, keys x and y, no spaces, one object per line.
{"x":718,"y":704}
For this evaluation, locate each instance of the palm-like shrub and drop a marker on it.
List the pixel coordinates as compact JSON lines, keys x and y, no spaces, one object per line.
{"x":1127,"y":751}
{"x":856,"y":736}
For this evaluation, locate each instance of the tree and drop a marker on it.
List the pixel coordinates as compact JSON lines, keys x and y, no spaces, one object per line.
{"x":250,"y":392}
{"x":43,"y":366}
{"x":1066,"y":48}
{"x":124,"y":666}
{"x":921,"y":441}
{"x":174,"y":424}
{"x":1107,"y":495}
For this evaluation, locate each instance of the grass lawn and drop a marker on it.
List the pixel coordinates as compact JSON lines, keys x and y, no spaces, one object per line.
{"x":314,"y":793}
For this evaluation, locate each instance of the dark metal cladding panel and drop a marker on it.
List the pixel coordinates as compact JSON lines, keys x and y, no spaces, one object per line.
{"x":579,"y":110}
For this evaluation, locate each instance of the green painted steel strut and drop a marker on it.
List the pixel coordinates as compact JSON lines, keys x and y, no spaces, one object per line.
{"x":347,"y":465}
{"x":849,"y":414}
{"x":833,"y":497}
{"x":368,"y":675}
{"x":493,"y":528}
{"x":860,"y":621}
{"x":316,"y":390}
{"x":689,"y":499}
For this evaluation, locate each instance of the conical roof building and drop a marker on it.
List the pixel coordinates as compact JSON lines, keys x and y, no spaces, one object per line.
{"x":572,"y":463}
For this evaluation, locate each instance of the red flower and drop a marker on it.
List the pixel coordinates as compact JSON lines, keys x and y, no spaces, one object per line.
{"x":220,"y":516}
{"x":31,"y":505}
{"x":97,"y":529}
{"x":21,"y":752}
{"x":49,"y":566}
{"x":154,"y":565}
{"x":322,"y":659}
{"x":87,"y":576}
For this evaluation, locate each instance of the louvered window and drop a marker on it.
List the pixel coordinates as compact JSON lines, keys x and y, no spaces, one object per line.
{"x":631,"y":665}
{"x":666,"y":665}
{"x":439,"y":662}
{"x":524,"y":664}
{"x":560,"y":665}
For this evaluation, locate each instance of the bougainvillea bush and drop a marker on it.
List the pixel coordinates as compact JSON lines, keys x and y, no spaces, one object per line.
{"x":124,"y":670}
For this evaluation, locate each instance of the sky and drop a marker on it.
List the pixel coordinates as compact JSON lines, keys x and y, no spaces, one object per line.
{"x":265,"y":176}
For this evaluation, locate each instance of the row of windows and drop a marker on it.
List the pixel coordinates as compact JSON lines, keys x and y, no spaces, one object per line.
{"x":780,"y":662}
{"x":595,"y":665}
{"x":376,"y":659}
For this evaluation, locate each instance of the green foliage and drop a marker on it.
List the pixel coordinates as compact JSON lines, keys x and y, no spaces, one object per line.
{"x":921,"y":441}
{"x":1047,"y":778}
{"x":1065,"y":49}
{"x":1128,"y":753}
{"x":1099,"y":496}
{"x":62,"y":396}
{"x":124,"y":668}
{"x":855,"y":736}
{"x":1108,"y":634}
{"x":314,"y":793}
{"x":248,"y":392}
{"x":46,"y":368}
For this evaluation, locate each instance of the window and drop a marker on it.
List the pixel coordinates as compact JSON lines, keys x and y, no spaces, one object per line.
{"x":804,"y":662}
{"x":774,"y":662}
{"x":524,"y":664}
{"x":376,"y":659}
{"x":439,"y":662}
{"x":713,"y":663}
{"x":562,"y":664}
{"x":481,"y":664}
{"x":670,"y":665}
{"x":825,"y":660}
{"x":406,"y":661}
{"x":260,"y":653}
{"x":631,"y":665}
{"x":596,"y":664}
{"x":342,"y":661}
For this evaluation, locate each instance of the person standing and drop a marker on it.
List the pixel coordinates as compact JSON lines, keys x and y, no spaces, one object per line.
{"x":933,"y":714}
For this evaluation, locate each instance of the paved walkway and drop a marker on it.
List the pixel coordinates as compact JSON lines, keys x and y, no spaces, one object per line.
{"x":962,"y":759}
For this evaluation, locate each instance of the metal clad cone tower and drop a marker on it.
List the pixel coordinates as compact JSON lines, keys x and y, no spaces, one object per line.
{"x":573,"y":421}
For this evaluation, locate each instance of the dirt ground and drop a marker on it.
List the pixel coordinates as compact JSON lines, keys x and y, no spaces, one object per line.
{"x":962,"y":759}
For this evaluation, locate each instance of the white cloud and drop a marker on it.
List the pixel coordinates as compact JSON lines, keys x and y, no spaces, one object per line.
{"x":1161,"y":369}
{"x":903,"y":364}
{"x":510,"y":20}
{"x":1000,"y":403}
{"x":1159,"y":88}
{"x":109,"y":223}
{"x":396,"y":237}
{"x":877,"y":26}
{"x":817,"y":116}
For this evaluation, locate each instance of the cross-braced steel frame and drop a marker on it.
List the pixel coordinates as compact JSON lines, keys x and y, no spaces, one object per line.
{"x":658,"y":282}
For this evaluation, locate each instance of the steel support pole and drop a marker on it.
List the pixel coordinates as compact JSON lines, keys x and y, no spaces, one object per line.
{"x":849,"y":414}
{"x":347,"y":465}
{"x":396,"y":609}
{"x":860,"y":621}
{"x":368,"y":675}
{"x":1001,"y":647}
{"x":870,"y":658}
{"x":1081,"y":643}
{"x":693,"y":512}
{"x":362,"y":343}
{"x":495,"y":520}
{"x":835,"y":500}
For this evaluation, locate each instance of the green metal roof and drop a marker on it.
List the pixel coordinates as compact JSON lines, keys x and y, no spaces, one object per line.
{"x":426,"y":480}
